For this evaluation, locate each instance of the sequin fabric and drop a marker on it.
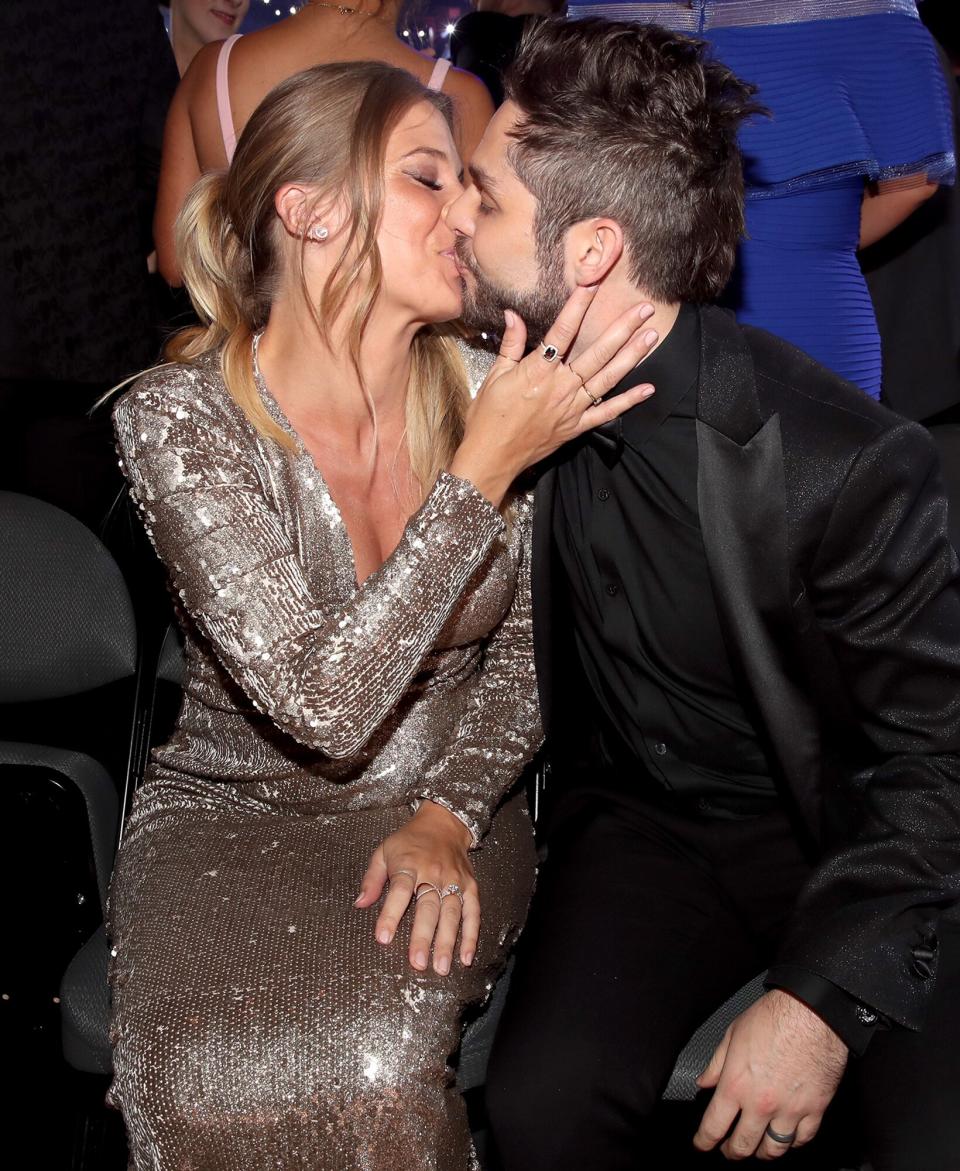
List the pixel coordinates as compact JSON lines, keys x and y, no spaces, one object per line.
{"x":257,"y":1023}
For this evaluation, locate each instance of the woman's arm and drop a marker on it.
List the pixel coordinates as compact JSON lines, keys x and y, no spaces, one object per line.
{"x":326,"y":676}
{"x":499,"y":731}
{"x":889,"y":203}
{"x":179,"y":165}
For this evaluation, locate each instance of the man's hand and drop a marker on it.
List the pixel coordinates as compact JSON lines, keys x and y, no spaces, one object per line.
{"x":777,"y":1065}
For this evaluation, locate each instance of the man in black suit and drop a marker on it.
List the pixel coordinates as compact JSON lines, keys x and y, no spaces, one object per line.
{"x":747,"y":625}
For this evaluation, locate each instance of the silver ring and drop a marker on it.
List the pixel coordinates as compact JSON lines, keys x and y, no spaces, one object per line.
{"x":787,"y":1140}
{"x":452,"y":889}
{"x":409,"y":873}
{"x":427,"y":887}
{"x":595,"y":399}
{"x":550,"y":353}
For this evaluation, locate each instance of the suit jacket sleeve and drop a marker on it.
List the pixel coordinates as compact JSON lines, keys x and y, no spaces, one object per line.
{"x":884,"y":589}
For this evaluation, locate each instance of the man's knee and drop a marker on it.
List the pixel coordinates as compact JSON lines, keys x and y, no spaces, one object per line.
{"x":544,"y":1100}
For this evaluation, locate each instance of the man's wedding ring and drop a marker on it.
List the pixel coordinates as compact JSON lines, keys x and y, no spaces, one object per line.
{"x":786,"y":1139}
{"x":550,"y":353}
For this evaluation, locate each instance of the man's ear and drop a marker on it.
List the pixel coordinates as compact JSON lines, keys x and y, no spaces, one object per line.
{"x":301,"y":213}
{"x":594,"y":247}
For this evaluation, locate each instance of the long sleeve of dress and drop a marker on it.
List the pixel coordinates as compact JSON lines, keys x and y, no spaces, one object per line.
{"x":499,"y":730}
{"x":328,"y":679}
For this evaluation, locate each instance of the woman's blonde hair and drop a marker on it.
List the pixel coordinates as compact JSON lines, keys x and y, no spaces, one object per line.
{"x":326,"y":127}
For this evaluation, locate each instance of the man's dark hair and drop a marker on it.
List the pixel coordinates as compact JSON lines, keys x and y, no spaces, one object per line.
{"x":635,"y":123}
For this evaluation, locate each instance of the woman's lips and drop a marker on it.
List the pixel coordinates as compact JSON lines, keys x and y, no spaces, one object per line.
{"x":228,"y":18}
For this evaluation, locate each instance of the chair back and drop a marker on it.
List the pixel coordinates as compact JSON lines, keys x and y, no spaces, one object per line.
{"x":67,"y":624}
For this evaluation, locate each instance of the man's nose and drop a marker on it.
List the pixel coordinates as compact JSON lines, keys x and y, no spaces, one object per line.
{"x":459,"y":213}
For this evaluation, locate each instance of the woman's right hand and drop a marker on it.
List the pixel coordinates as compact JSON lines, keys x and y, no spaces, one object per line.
{"x":529,"y":406}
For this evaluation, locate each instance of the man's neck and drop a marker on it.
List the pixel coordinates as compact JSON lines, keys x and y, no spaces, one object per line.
{"x":608,"y":305}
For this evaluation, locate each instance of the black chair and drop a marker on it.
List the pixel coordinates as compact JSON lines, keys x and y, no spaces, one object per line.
{"x":70,"y":730}
{"x":84,"y":991}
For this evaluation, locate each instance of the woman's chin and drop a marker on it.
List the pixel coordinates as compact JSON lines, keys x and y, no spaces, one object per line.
{"x":443,"y":313}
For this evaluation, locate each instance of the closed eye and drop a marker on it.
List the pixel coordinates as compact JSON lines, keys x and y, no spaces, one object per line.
{"x":432,"y":184}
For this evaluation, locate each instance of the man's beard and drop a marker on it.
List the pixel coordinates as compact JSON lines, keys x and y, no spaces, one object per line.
{"x":485,"y":301}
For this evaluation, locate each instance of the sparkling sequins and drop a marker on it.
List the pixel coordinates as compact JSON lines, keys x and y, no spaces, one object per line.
{"x":257,"y":1021}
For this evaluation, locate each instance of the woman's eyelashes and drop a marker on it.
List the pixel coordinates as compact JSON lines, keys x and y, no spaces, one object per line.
{"x":434,"y":184}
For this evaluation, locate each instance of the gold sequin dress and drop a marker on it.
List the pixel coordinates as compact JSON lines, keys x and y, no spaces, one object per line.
{"x":256,"y":1022}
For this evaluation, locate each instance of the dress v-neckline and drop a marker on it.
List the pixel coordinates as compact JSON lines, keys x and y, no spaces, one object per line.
{"x":279,"y":416}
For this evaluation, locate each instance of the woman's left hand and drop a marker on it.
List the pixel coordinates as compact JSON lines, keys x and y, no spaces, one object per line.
{"x":426,"y":856}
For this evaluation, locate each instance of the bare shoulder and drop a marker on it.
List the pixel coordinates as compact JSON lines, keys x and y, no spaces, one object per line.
{"x":201,"y":73}
{"x":460,"y":83}
{"x":474,"y":108}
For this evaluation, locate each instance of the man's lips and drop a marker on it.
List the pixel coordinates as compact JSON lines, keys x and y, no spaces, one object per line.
{"x":464,"y":266}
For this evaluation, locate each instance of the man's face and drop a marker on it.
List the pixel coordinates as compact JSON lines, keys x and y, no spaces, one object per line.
{"x":496,"y":247}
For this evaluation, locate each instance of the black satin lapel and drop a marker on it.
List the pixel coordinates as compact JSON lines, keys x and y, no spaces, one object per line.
{"x":542,"y":590}
{"x":743,"y":520}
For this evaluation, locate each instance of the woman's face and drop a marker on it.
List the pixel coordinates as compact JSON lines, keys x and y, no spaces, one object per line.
{"x":422,"y":178}
{"x":208,"y":20}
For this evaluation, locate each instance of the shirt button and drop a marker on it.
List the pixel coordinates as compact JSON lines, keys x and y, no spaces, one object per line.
{"x":613,"y":590}
{"x":603,"y":494}
{"x":660,"y":748}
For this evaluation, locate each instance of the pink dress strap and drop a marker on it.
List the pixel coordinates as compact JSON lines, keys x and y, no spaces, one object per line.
{"x":227,"y":130}
{"x":439,"y":74}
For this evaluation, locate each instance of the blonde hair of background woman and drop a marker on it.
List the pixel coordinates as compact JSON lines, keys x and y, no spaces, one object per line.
{"x":327,"y":127}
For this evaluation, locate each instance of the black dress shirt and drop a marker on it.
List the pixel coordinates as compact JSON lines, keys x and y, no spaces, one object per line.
{"x":627,"y":532}
{"x":669,"y":715}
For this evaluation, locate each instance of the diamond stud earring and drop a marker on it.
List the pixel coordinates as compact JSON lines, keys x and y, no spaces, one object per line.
{"x":318,"y":233}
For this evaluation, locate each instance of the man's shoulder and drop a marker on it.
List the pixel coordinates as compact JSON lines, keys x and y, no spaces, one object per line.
{"x":817,"y":407}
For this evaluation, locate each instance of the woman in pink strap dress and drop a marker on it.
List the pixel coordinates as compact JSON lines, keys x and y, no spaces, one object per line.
{"x":228,"y":80}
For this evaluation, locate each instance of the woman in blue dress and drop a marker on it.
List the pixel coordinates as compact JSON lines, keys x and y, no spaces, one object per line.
{"x":859,"y":134}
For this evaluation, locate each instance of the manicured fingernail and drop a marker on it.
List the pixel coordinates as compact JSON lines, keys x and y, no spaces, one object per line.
{"x":468,"y":958}
{"x":650,"y":337}
{"x":646,"y":311}
{"x":646,"y":391}
{"x":443,"y":965}
{"x":383,"y":935}
{"x":509,"y":317}
{"x":420,"y":959}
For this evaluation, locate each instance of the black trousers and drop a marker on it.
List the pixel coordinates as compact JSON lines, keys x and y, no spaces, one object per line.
{"x":645,"y":920}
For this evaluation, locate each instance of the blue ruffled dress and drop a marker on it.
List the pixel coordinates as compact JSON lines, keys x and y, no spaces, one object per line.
{"x":856,"y":94}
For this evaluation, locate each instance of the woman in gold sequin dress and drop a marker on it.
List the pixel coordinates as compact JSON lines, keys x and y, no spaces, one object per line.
{"x":353,"y":583}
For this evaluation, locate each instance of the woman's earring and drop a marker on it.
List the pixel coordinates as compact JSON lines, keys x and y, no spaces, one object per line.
{"x":317,"y":233}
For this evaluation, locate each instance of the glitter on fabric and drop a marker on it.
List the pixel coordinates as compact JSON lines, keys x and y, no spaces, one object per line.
{"x":257,"y":1023}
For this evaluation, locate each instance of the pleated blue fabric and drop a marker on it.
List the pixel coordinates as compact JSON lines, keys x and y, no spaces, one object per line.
{"x":855,"y":95}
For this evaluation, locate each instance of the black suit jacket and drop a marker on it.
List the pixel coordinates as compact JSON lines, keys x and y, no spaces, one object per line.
{"x":838,"y":592}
